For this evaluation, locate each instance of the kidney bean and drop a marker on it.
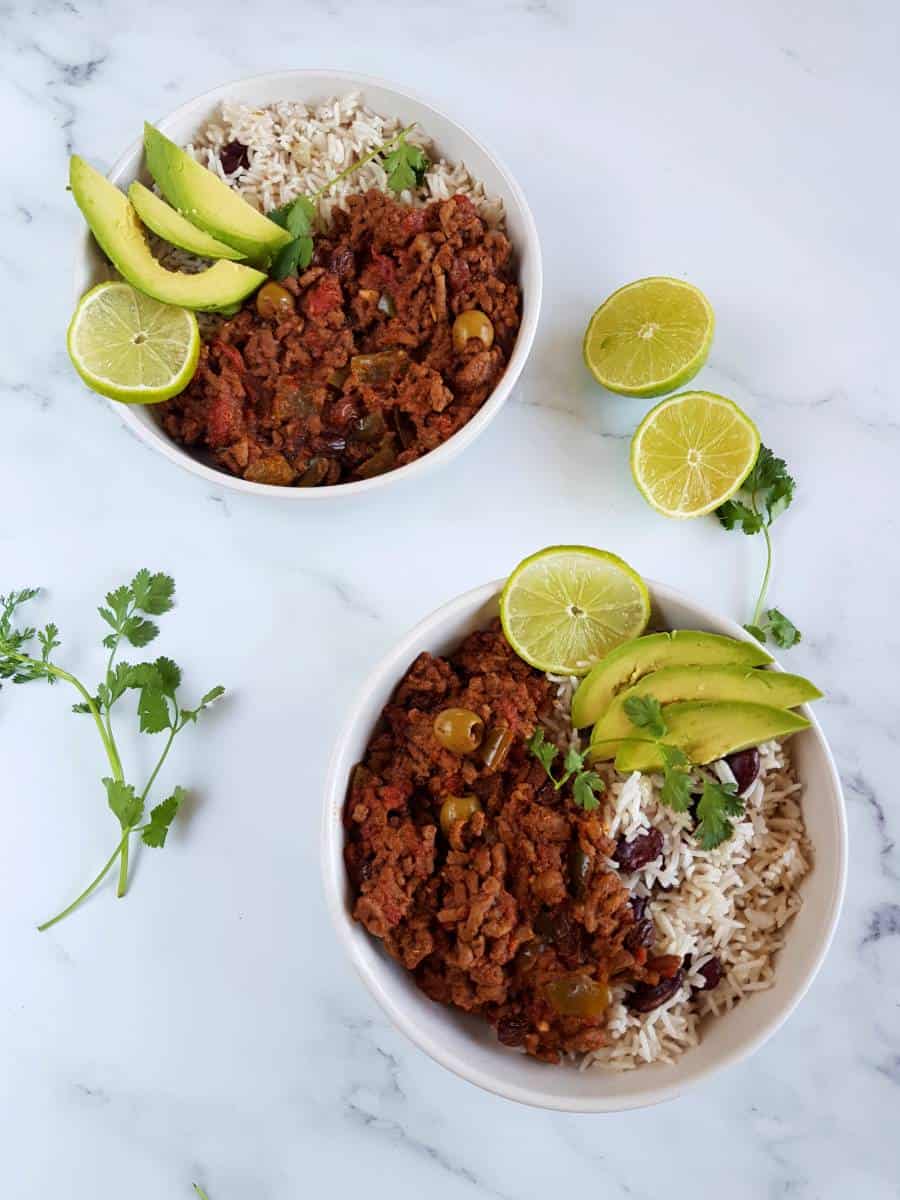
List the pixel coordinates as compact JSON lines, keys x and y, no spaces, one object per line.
{"x":744,"y":767}
{"x":645,"y":998}
{"x":638,"y":907}
{"x":234,"y":155}
{"x":712,"y":973}
{"x":643,"y":849}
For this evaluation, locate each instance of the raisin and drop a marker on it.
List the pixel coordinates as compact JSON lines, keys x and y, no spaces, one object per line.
{"x":643,"y":849}
{"x":511,"y":1031}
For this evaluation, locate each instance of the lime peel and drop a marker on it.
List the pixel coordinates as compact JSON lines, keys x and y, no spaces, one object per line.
{"x":649,"y":337}
{"x":565,"y":607}
{"x":130,"y":347}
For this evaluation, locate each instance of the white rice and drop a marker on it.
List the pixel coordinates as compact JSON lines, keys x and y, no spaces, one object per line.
{"x":295,"y":149}
{"x":732,"y":902}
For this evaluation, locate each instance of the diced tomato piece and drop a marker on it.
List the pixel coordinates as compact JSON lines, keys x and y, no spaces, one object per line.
{"x":414,"y":222}
{"x":384,"y":267}
{"x":324,"y":296}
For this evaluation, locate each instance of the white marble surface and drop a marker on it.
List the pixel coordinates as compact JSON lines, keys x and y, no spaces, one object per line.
{"x":207,"y":1028}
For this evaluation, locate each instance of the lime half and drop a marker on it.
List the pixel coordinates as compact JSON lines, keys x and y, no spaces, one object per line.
{"x":131,"y":348}
{"x":565,"y":607}
{"x":649,"y":337}
{"x":691,"y":452}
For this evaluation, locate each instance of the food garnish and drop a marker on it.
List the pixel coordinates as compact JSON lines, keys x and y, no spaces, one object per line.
{"x":586,"y":784}
{"x":114,"y":223}
{"x":126,"y":612}
{"x":565,"y":607}
{"x":718,"y":801}
{"x":405,"y":165}
{"x":130,"y":347}
{"x":692,"y":452}
{"x":764,"y":495}
{"x":649,"y":337}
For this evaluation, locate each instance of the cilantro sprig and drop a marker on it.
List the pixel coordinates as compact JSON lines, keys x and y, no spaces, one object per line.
{"x":405,"y":165}
{"x":718,"y":802}
{"x":586,"y":784}
{"x":764,"y":495}
{"x":127,"y":614}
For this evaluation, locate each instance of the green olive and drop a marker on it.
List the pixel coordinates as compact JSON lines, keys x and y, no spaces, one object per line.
{"x":459,"y":730}
{"x":472,"y":324}
{"x":578,"y":996}
{"x":458,"y":808}
{"x":495,"y":747}
{"x":274,"y":302}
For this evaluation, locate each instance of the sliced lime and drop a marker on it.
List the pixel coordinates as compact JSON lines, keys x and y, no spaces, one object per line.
{"x":565,"y":607}
{"x":131,"y":348}
{"x":691,"y":452}
{"x":650,"y":337}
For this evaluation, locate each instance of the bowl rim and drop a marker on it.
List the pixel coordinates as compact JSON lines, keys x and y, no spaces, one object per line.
{"x":459,"y":441}
{"x":332,"y":839}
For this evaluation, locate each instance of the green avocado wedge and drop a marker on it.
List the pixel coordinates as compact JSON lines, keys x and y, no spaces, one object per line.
{"x":672,"y":684}
{"x":168,"y":224}
{"x":630,"y":662}
{"x":205,"y":201}
{"x":115,"y":225}
{"x":706,"y":730}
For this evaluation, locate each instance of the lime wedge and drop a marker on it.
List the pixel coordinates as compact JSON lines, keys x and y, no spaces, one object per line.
{"x":649,"y":337}
{"x":691,"y":452}
{"x":131,"y":348}
{"x":565,"y":607}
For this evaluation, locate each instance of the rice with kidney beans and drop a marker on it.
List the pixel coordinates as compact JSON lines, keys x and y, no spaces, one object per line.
{"x":731,"y":903}
{"x":294,"y":149}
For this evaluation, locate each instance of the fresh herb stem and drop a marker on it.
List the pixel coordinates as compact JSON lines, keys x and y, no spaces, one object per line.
{"x":761,"y":598}
{"x":90,"y":887}
{"x":361,"y":162}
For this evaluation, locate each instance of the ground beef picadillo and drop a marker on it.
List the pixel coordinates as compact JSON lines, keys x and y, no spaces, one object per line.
{"x":359,"y":371}
{"x":513,"y":907}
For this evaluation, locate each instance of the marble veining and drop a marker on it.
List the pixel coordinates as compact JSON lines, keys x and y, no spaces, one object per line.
{"x":208,"y":1029}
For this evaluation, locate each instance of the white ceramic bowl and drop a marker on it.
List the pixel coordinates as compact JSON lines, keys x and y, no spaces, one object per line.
{"x":451,"y":141}
{"x":466,"y":1044}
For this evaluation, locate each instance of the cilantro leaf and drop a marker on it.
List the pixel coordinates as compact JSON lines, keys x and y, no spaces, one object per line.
{"x":153,"y":710}
{"x":586,"y":788}
{"x":161,"y":817}
{"x":27,"y":653}
{"x":646,"y":713}
{"x":191,"y":714}
{"x":676,"y":788}
{"x":764,"y":495}
{"x":405,"y":166}
{"x":784,"y":632}
{"x":292,"y":258}
{"x":139,"y":631}
{"x":718,"y":803}
{"x":123,"y":802}
{"x":545,"y":752}
{"x":153,"y":594}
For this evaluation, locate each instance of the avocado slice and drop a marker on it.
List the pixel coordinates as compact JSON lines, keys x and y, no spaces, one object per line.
{"x":168,"y":224}
{"x":208,"y":202}
{"x":628,"y":663}
{"x":670,"y":684}
{"x":706,"y":730}
{"x":115,"y":225}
